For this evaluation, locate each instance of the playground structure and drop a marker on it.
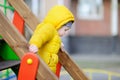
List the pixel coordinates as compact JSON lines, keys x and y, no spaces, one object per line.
{"x":18,"y":43}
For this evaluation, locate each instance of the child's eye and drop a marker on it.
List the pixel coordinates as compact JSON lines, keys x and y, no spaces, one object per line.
{"x":67,"y":29}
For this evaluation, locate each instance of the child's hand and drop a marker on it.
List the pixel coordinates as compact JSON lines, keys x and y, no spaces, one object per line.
{"x":62,"y":47}
{"x":33,"y":48}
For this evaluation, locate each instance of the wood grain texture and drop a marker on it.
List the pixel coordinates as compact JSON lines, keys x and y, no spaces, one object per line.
{"x":71,"y":67}
{"x":25,"y":13}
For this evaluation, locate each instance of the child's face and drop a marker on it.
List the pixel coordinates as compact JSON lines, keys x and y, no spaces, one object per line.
{"x":63,"y":31}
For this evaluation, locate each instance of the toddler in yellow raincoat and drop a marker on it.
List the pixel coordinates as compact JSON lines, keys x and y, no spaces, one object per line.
{"x":46,"y":37}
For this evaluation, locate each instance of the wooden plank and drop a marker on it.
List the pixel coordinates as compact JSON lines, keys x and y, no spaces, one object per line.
{"x":19,"y":44}
{"x":22,"y":8}
{"x":71,"y":67}
{"x":25,"y":13}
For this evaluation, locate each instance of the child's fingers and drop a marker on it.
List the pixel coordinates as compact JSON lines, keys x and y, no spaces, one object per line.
{"x":33,"y":48}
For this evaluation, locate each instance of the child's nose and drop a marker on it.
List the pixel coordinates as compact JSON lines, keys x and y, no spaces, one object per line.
{"x":66,"y":32}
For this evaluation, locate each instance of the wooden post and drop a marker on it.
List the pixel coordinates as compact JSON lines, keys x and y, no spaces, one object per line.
{"x":32,"y":21}
{"x":19,"y":44}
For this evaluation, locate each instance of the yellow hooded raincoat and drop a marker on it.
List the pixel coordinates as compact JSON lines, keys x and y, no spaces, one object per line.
{"x":46,"y":37}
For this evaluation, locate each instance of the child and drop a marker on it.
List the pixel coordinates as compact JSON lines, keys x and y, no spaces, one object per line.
{"x":46,"y":37}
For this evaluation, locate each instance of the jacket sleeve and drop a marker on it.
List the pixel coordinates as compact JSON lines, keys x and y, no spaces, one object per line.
{"x":56,"y":43}
{"x":42,"y":34}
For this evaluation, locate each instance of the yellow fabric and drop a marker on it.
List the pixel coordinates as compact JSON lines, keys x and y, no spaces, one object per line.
{"x":46,"y":37}
{"x":58,"y":16}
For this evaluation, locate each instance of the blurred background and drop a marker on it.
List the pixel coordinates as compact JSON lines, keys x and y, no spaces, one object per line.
{"x":94,"y":41}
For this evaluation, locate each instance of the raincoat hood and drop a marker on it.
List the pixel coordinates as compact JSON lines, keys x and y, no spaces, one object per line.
{"x":58,"y":16}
